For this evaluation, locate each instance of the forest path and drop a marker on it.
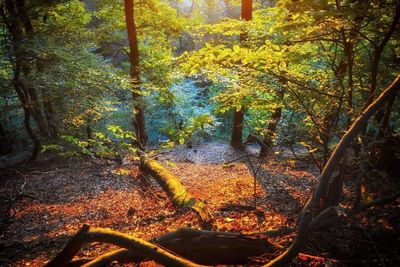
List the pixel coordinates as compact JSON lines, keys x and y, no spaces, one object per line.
{"x":60,"y":195}
{"x":209,"y":153}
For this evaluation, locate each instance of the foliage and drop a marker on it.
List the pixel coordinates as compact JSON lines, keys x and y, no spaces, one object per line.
{"x":111,"y":144}
{"x":199,"y":63}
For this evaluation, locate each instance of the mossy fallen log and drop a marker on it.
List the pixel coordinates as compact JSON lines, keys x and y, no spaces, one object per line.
{"x":179,"y":195}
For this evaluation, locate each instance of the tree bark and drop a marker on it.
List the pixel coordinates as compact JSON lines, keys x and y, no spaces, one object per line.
{"x":139,"y":121}
{"x":386,"y":116}
{"x":15,"y":31}
{"x":273,"y":124}
{"x":238,"y":116}
{"x":247,"y":10}
{"x":49,"y":113}
{"x":174,"y":188}
{"x":378,"y":54}
{"x":37,"y":113}
{"x":35,"y":107}
{"x":237,"y":129}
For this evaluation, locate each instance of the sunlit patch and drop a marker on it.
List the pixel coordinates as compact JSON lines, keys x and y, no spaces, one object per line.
{"x":122,"y":171}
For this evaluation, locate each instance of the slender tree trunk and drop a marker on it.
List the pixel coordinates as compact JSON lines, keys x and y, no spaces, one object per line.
{"x":47,"y":103}
{"x":386,"y":116}
{"x":378,"y":54}
{"x":349,"y":54}
{"x":3,"y":141}
{"x":23,"y":16}
{"x":237,"y":130}
{"x":36,"y":109}
{"x":13,"y":25}
{"x":37,"y":113}
{"x":49,"y":113}
{"x":210,"y":7}
{"x":238,"y":117}
{"x":27,"y":111}
{"x":229,"y":9}
{"x":273,"y":123}
{"x":139,"y":122}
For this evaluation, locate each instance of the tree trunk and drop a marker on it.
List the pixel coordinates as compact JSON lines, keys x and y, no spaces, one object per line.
{"x":238,"y":116}
{"x":16,"y":31}
{"x":377,"y":56}
{"x":139,"y":122}
{"x":37,"y":113}
{"x":237,"y":129}
{"x":46,"y":99}
{"x":229,"y":9}
{"x":247,"y":10}
{"x":386,"y":116}
{"x":273,"y":123}
{"x":4,"y":144}
{"x":49,"y":113}
{"x":35,"y":107}
{"x":27,"y":112}
{"x":349,"y":54}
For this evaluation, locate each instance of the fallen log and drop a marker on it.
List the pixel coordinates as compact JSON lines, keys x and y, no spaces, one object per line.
{"x":142,"y":247}
{"x":194,"y":247}
{"x":212,"y":247}
{"x":241,"y":255}
{"x":179,"y":195}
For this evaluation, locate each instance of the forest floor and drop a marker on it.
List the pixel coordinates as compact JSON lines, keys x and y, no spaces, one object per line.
{"x":48,"y":201}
